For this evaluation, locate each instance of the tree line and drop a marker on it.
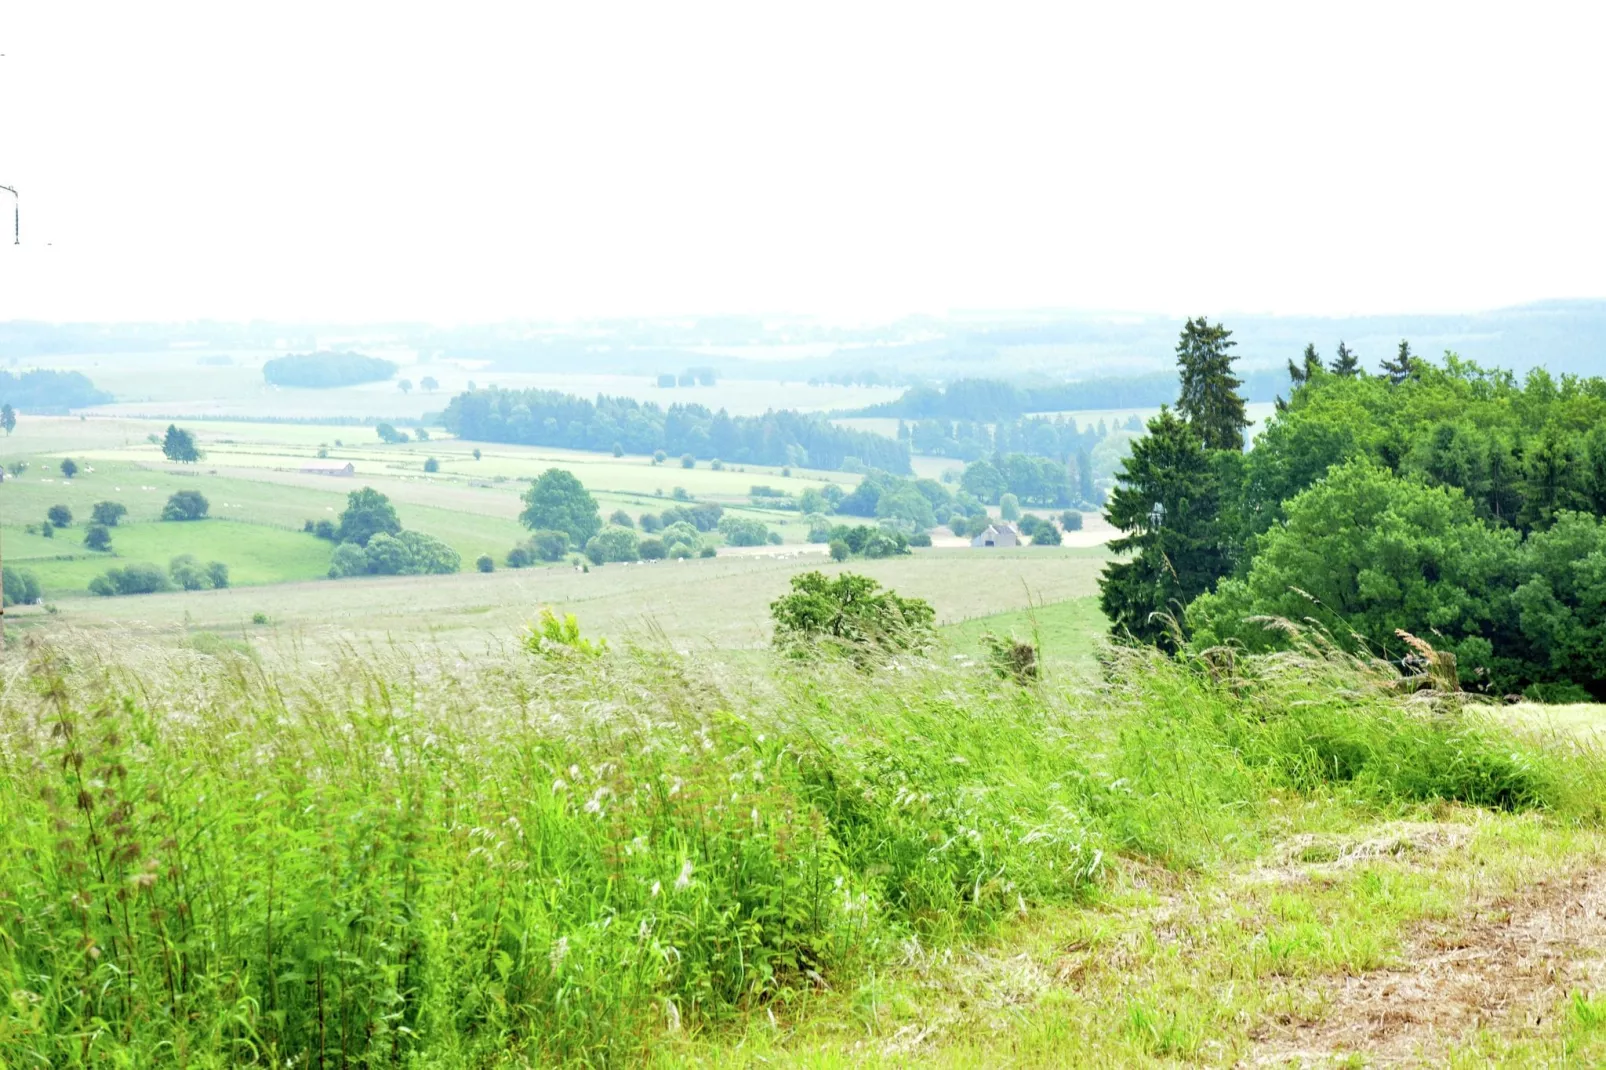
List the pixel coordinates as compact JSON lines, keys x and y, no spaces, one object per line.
{"x":783,"y":437}
{"x":327,"y":369}
{"x":1452,"y":502}
{"x":43,"y":391}
{"x":993,"y":400}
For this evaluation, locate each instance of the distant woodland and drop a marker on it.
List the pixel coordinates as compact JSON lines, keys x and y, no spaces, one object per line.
{"x":325,"y":369}
{"x":49,"y":391}
{"x":549,"y":418}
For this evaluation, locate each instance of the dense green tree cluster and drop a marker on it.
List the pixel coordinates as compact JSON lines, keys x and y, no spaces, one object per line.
{"x":186,"y":505}
{"x":1445,"y":500}
{"x":42,"y":391}
{"x":407,"y":553}
{"x":549,"y":418}
{"x":183,"y":572}
{"x":325,"y":369}
{"x":850,"y":615}
{"x":18,"y":586}
{"x":178,"y":445}
{"x":991,"y":401}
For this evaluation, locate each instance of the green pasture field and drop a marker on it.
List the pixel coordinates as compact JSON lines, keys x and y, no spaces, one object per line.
{"x":255,"y":553}
{"x":1068,"y":633}
{"x":711,"y":604}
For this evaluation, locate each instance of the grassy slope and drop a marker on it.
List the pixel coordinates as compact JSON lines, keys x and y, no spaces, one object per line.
{"x":649,"y":860}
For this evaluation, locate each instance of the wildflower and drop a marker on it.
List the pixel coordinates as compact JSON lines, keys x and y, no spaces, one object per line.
{"x":683,"y":881}
{"x":560,"y":951}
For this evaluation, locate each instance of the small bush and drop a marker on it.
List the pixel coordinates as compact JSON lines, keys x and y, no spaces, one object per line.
{"x":186,"y":505}
{"x":707,"y":551}
{"x":259,"y":617}
{"x":484,"y":563}
{"x":519,"y":557}
{"x":839,"y":550}
{"x":688,"y":461}
{"x":98,"y":537}
{"x":652,"y":550}
{"x":59,"y":516}
{"x":432,"y":465}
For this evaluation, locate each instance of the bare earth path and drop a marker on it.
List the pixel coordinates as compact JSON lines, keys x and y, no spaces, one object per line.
{"x":1506,"y":966}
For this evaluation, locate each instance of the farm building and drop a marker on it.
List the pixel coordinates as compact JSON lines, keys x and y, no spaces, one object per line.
{"x":329,"y":468}
{"x":1000,"y":534}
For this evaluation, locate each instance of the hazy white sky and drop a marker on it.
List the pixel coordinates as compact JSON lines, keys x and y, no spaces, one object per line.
{"x":465,"y":161}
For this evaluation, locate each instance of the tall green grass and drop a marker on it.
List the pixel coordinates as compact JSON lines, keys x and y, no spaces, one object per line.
{"x":405,"y":860}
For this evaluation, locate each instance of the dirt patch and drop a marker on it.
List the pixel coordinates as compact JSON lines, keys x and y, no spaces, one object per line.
{"x":1505,"y":967}
{"x":1311,"y":855}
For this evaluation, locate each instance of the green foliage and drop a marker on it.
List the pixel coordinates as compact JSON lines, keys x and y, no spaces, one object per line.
{"x":1009,"y":507}
{"x":18,"y":586}
{"x":849,"y":614}
{"x":349,"y":559}
{"x":485,"y":563}
{"x":550,"y":636}
{"x":1162,"y":568}
{"x":191,"y":575}
{"x":653,"y":550}
{"x":1366,"y":553}
{"x":59,"y":516}
{"x":839,"y":550}
{"x":340,"y":881}
{"x":779,"y":437}
{"x":69,"y":468}
{"x":1011,"y":658}
{"x":389,"y":435}
{"x":1047,"y":535}
{"x":743,"y":531}
{"x":558,"y":502}
{"x":178,"y":446}
{"x":367,"y":513}
{"x":186,"y":505}
{"x":8,"y":419}
{"x":108,"y":513}
{"x":1071,"y":520}
{"x":613,"y":544}
{"x":325,"y":369}
{"x":432,"y":465}
{"x":547,"y":545}
{"x":98,"y":537}
{"x":520,"y":557}
{"x":139,"y":578}
{"x":1209,"y":399}
{"x":621,"y":518}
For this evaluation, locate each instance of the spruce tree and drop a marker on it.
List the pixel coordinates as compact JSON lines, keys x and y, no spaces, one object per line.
{"x":1170,"y":554}
{"x":1346,"y":363}
{"x":1210,"y":400}
{"x":1402,"y":367}
{"x":1308,"y":366}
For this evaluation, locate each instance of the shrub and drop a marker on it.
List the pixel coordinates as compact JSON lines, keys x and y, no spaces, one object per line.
{"x":47,"y":530}
{"x":1071,"y":520}
{"x":367,"y":513}
{"x":98,"y":537}
{"x":69,"y":468}
{"x":519,"y":557}
{"x":652,"y":550}
{"x":613,"y":544}
{"x":680,"y":495}
{"x":325,"y":529}
{"x":839,"y":550}
{"x":218,"y":573}
{"x":707,"y":551}
{"x":139,"y":578}
{"x":618,"y":450}
{"x":548,"y":545}
{"x":108,"y":513}
{"x":259,"y":617}
{"x":1046,"y":535}
{"x":18,"y":586}
{"x":59,"y":516}
{"x":688,"y":461}
{"x":621,"y":518}
{"x":484,"y":563}
{"x":189,"y":573}
{"x":650,"y":523}
{"x":348,"y":560}
{"x":920,"y":538}
{"x":432,"y":465}
{"x":659,"y":457}
{"x":186,"y":505}
{"x":741,"y":531}
{"x":550,"y":636}
{"x":557,"y":501}
{"x":849,"y":614}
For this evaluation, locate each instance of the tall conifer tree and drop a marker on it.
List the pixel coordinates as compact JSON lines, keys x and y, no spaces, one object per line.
{"x":1346,"y":363}
{"x":1210,"y":400}
{"x":1167,"y":501}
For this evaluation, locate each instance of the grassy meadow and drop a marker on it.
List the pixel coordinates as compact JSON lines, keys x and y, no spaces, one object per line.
{"x":302,"y":822}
